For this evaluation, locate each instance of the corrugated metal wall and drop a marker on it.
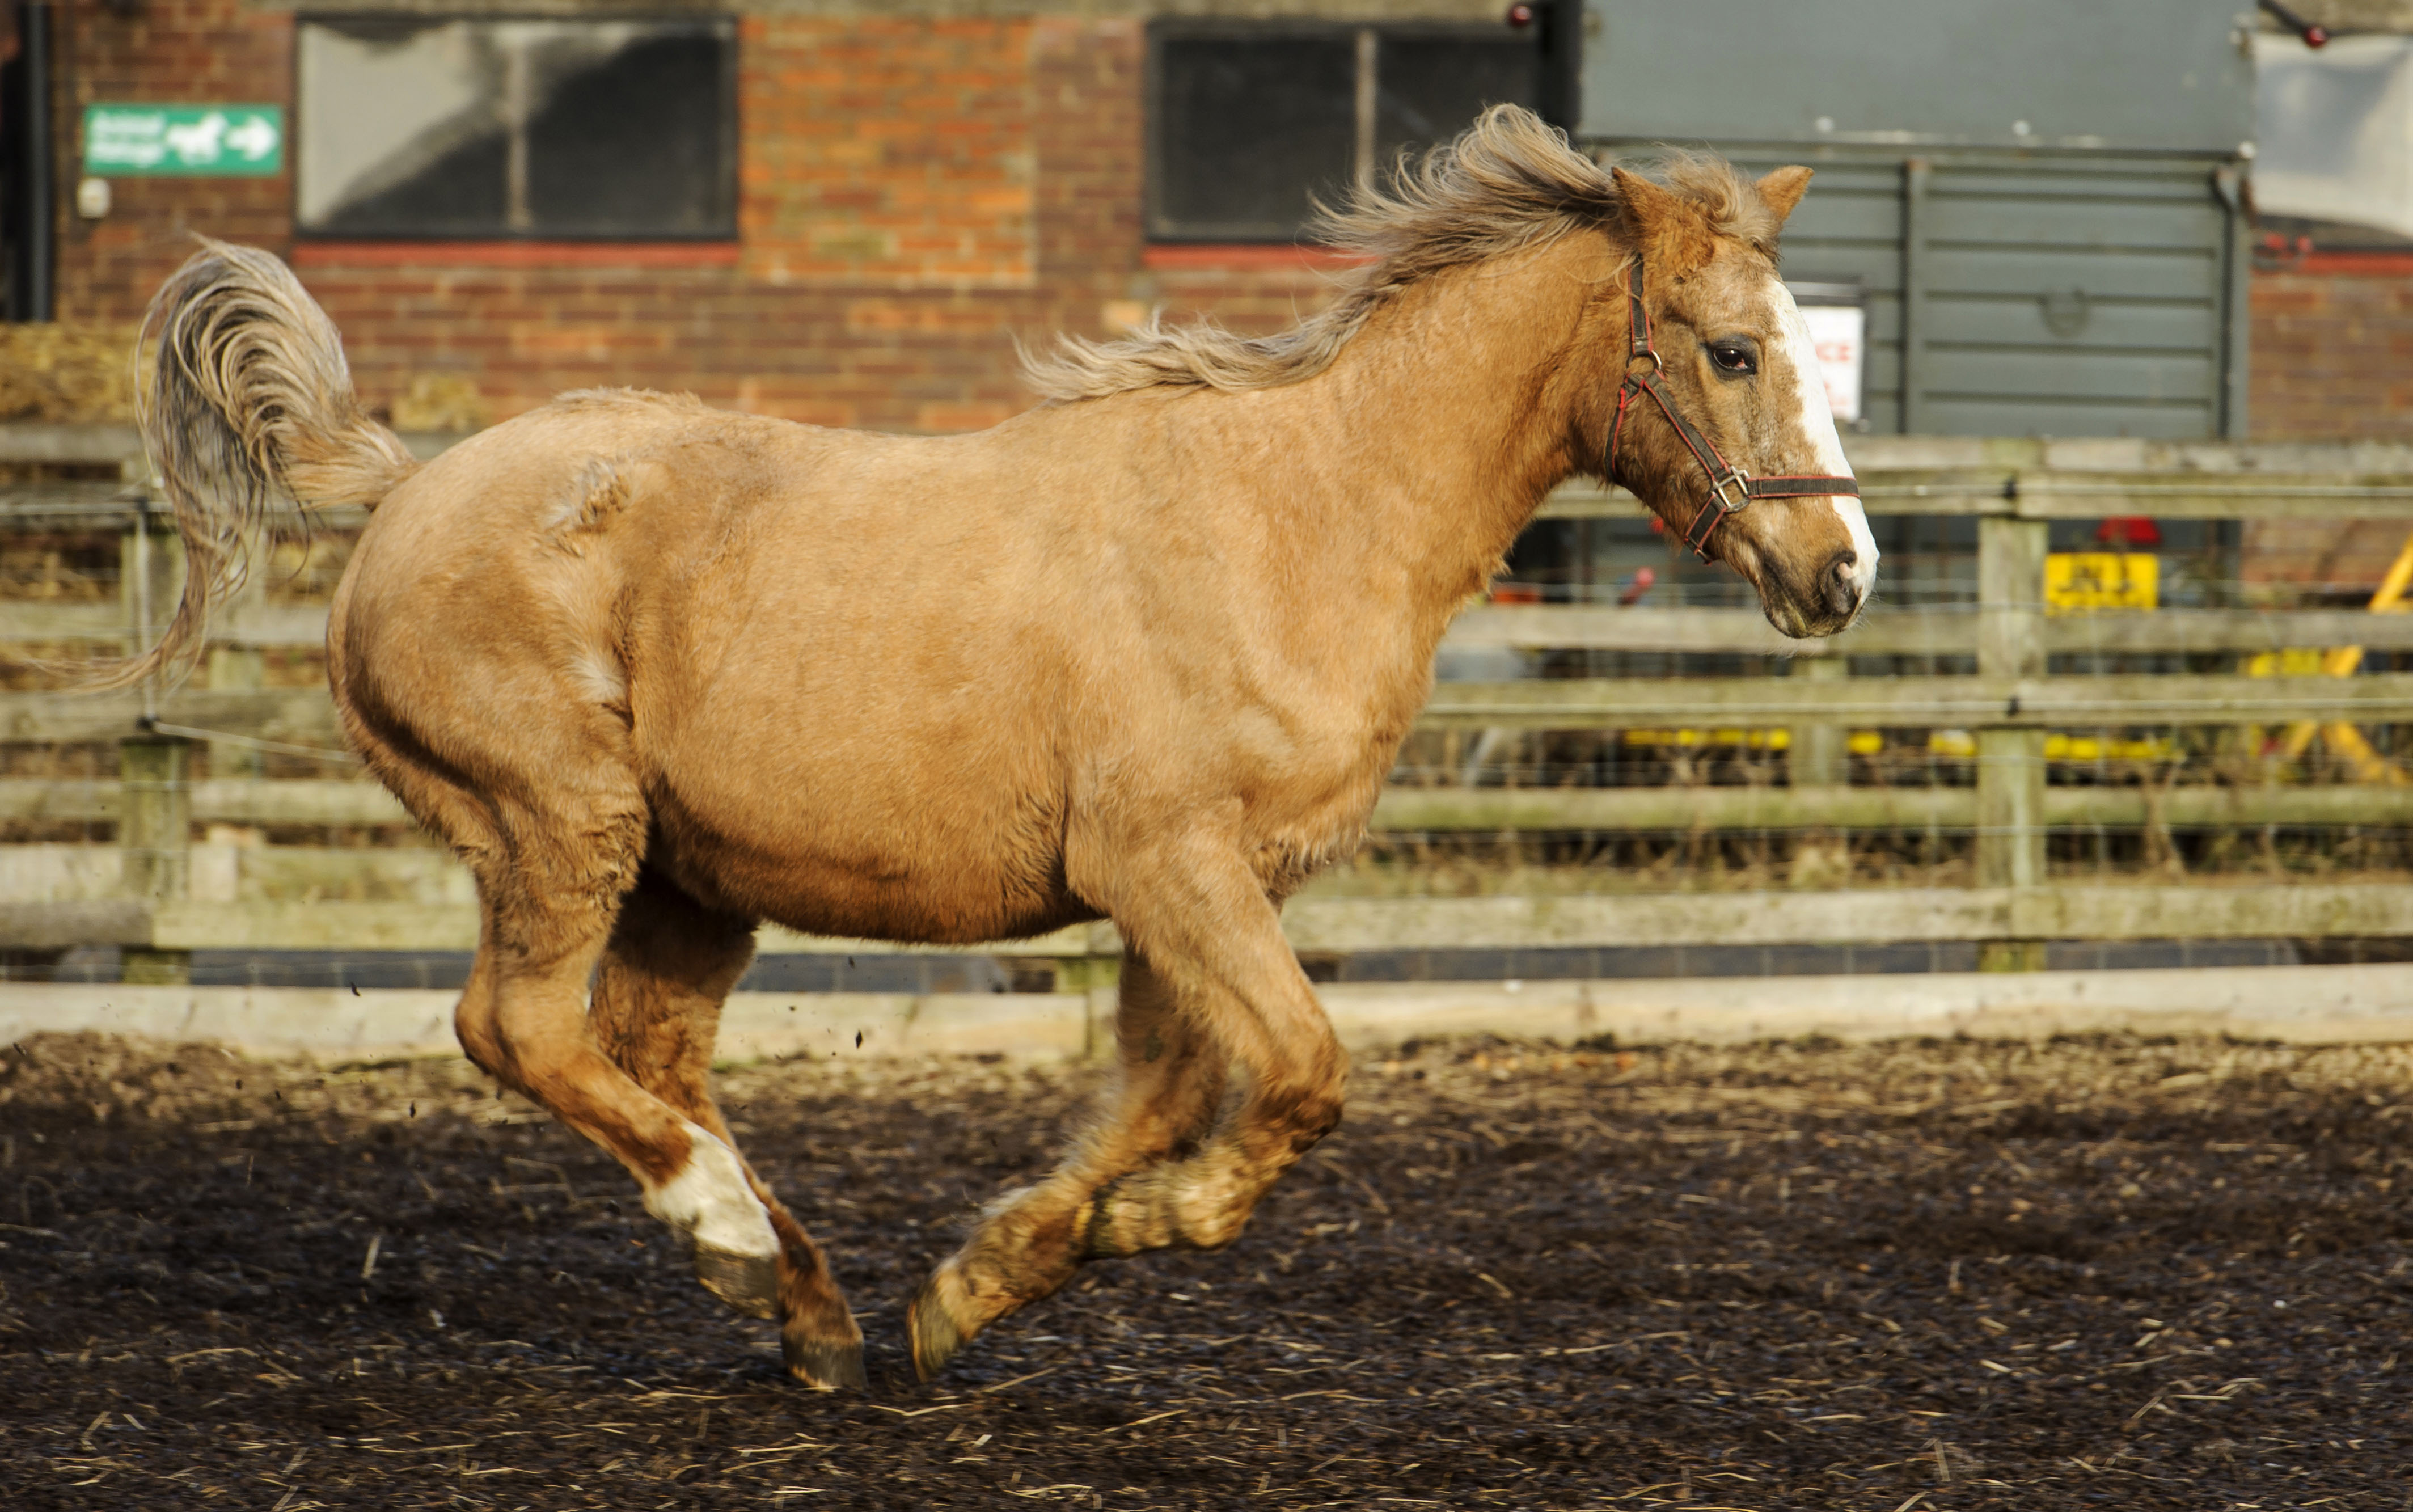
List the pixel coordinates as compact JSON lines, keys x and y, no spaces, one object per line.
{"x":2040,"y":294}
{"x":2022,"y":277}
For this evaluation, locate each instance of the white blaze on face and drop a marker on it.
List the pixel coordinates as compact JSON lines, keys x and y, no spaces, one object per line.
{"x":1818,"y":425}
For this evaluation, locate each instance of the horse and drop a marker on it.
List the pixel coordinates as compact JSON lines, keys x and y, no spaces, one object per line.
{"x":1145,"y":652}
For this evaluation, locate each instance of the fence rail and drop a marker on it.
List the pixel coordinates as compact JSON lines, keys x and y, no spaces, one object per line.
{"x":1931,"y":631}
{"x":2013,"y":488}
{"x":1906,"y":703}
{"x":2032,"y":493}
{"x":1342,"y":925}
{"x":308,"y":715}
{"x":364,"y":805}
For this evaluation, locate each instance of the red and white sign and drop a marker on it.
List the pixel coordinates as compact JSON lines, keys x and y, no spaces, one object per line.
{"x":1839,"y":332}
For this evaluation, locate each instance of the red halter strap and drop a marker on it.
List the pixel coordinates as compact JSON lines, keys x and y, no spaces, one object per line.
{"x":1730,"y":487}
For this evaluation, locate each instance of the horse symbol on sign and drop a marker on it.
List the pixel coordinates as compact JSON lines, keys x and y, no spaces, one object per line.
{"x":198,"y":142}
{"x":212,"y":136}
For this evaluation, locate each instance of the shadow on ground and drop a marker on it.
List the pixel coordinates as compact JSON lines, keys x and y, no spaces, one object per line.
{"x":1937,"y":1276}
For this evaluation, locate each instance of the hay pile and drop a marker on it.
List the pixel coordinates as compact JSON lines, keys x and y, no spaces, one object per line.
{"x":442,"y":402}
{"x":67,"y":374}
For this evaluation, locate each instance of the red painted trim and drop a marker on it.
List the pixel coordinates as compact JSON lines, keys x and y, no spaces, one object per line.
{"x":515,"y":254}
{"x":2369,"y":265}
{"x":1248,"y":258}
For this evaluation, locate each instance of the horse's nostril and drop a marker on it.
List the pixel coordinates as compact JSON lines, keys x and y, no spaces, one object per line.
{"x":1842,"y":582}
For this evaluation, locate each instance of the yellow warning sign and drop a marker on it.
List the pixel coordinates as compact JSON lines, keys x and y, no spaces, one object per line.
{"x":2078,"y":582}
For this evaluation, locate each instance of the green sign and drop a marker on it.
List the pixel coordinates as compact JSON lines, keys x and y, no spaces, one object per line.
{"x":123,"y":141}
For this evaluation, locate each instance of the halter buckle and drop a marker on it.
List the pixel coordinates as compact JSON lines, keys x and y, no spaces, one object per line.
{"x":1733,"y":478}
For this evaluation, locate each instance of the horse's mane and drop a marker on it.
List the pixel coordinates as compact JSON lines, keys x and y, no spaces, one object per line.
{"x":1508,"y":184}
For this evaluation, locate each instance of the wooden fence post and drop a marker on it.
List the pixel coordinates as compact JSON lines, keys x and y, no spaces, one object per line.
{"x":241,"y":667}
{"x":1821,"y":755}
{"x":149,"y":573}
{"x":2010,"y":762}
{"x":155,"y":837}
{"x":1098,"y":978}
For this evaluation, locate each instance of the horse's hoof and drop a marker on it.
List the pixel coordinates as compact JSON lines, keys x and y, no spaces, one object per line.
{"x":748,"y":1282}
{"x":823,"y":1366}
{"x":931,"y":1327}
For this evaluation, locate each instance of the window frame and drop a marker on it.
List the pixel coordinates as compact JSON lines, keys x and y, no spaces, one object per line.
{"x":1161,"y":231}
{"x":732,"y":134}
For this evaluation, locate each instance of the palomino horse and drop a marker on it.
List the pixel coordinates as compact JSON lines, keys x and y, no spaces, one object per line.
{"x":1145,"y":653}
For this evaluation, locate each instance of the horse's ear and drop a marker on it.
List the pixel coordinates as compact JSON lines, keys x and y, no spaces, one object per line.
{"x":1649,"y":207}
{"x":1782,"y":189}
{"x":1669,"y":229}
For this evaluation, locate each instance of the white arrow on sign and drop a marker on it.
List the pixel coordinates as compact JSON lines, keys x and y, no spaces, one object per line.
{"x":255,"y":138}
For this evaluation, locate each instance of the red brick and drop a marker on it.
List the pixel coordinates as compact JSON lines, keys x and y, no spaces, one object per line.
{"x":888,"y":248}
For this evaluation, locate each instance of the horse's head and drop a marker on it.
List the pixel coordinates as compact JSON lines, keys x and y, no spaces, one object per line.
{"x":1734,"y":360}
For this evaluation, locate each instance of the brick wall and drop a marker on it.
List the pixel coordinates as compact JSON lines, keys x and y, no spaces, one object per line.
{"x":191,"y":50}
{"x":2332,"y":351}
{"x":914,"y":194}
{"x":894,"y":153}
{"x":2333,"y":360}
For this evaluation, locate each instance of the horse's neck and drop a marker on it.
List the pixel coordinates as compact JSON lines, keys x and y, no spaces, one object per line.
{"x":1439,"y":429}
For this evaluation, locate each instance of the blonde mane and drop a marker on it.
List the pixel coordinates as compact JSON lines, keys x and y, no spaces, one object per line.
{"x":1509,"y":183}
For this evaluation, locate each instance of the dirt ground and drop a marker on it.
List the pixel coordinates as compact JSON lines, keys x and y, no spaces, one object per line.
{"x":1939,"y":1276}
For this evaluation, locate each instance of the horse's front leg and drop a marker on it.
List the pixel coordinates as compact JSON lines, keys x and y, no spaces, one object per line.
{"x":1169,"y":1080}
{"x":1205,"y":984}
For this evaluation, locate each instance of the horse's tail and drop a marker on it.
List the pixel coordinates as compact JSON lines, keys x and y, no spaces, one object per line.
{"x":249,"y":398}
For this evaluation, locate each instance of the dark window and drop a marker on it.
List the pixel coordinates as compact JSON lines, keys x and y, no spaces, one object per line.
{"x":1249,"y":125}
{"x":1248,"y":129}
{"x":1429,"y":89}
{"x":555,"y":129}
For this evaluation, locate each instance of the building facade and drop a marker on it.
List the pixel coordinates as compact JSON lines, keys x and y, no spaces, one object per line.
{"x":917,"y":188}
{"x":908,"y":192}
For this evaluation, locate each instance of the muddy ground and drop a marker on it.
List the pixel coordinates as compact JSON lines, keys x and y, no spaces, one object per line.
{"x":1937,"y":1276}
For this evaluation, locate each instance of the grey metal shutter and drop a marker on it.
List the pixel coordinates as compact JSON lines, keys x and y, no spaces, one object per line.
{"x":2048,"y":294}
{"x":2039,"y":254}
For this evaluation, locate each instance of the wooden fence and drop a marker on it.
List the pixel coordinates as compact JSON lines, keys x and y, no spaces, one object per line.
{"x":2013,"y":488}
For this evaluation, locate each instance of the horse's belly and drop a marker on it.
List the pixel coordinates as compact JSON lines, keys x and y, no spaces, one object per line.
{"x":932,"y":876}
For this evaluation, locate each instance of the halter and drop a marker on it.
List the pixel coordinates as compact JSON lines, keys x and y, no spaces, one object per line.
{"x":1730,"y":487}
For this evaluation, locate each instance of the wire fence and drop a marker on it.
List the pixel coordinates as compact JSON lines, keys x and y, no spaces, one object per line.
{"x":1678,"y":800}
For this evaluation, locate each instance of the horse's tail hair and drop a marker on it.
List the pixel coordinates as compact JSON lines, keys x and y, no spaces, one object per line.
{"x":249,"y":399}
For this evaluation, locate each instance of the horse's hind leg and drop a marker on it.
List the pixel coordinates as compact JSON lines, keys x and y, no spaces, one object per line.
{"x":551,"y":858}
{"x":656,"y":1010}
{"x":1169,"y":1086}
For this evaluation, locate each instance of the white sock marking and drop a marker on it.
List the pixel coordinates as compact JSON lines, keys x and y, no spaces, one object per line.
{"x":710,"y":1203}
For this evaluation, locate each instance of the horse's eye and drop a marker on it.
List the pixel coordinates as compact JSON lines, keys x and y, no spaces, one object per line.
{"x":1734,"y":358}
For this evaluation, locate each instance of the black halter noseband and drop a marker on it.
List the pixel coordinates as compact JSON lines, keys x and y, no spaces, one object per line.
{"x":1730,"y":487}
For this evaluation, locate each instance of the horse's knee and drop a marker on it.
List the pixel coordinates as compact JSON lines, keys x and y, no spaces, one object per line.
{"x":1311,"y":1118}
{"x":473,"y":1024}
{"x":539,"y":1041}
{"x":1307,"y":1105}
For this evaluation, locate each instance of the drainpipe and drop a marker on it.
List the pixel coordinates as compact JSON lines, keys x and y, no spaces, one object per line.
{"x":1561,"y":47}
{"x":31,"y":183}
